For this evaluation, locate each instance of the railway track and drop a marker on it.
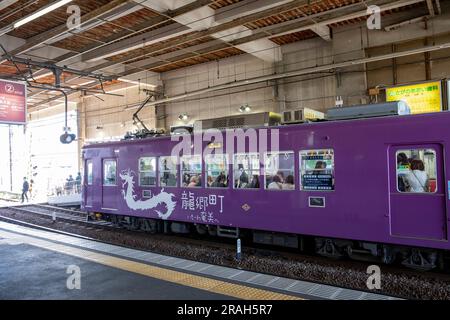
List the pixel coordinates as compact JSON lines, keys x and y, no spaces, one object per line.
{"x":218,"y":251}
{"x":61,"y":214}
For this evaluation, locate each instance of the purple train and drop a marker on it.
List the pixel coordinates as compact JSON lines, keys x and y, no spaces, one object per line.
{"x":372,"y":189}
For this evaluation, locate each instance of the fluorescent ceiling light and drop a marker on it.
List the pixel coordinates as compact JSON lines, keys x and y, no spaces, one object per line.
{"x":41,"y":12}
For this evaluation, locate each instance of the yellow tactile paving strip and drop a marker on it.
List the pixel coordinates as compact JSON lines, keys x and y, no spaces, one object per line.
{"x":181,"y":278}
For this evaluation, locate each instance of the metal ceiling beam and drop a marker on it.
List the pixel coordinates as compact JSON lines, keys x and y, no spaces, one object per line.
{"x":322,"y":31}
{"x":204,"y":18}
{"x":6,"y":3}
{"x":61,"y":29}
{"x":133,"y":43}
{"x":107,"y":18}
{"x":300,"y":24}
{"x":208,"y":32}
{"x":151,"y":22}
{"x":243,"y":8}
{"x":438,"y":6}
{"x":147,"y":24}
{"x":387,"y":5}
{"x":430,"y":7}
{"x":55,"y":69}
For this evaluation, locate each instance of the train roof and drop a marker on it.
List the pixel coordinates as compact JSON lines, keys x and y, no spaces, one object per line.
{"x":325,"y":123}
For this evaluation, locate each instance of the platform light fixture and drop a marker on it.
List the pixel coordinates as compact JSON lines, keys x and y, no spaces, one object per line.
{"x":245,"y":108}
{"x":183,"y":117}
{"x":41,"y":12}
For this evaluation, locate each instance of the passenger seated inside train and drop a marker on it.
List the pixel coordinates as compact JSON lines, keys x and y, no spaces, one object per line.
{"x":209,"y":181}
{"x":289,"y":183}
{"x":194,"y":181}
{"x":221,"y":181}
{"x":276,"y":184}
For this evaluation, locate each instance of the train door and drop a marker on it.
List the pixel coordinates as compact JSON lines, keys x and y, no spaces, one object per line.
{"x":417,"y":192}
{"x":109,"y":184}
{"x":88,"y":194}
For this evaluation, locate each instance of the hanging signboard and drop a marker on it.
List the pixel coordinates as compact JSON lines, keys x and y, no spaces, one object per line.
{"x":421,"y":98}
{"x":13,"y":102}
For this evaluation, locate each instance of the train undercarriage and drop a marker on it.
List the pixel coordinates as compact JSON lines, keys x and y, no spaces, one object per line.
{"x":422,"y":259}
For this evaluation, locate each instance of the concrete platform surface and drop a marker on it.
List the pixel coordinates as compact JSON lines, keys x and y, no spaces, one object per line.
{"x":35,"y":263}
{"x":33,"y":273}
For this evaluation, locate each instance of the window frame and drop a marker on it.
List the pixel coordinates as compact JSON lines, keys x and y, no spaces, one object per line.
{"x":147,"y":171}
{"x":227,"y":166}
{"x":103,"y":172}
{"x":259,"y":170}
{"x":397,"y":151}
{"x":160,"y":171}
{"x":89,"y":163}
{"x":293,"y":169}
{"x":182,"y":172}
{"x":300,"y":169}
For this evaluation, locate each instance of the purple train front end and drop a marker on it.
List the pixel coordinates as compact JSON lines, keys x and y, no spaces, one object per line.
{"x":375,"y":187}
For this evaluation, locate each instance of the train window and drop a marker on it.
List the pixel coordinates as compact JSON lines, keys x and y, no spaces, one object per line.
{"x":416,"y":171}
{"x":246,"y":171}
{"x":147,"y":172}
{"x":109,"y":172}
{"x":168,"y":173}
{"x":89,"y":172}
{"x":279,"y":171}
{"x":191,"y":171}
{"x":216,"y":170}
{"x":317,"y":170}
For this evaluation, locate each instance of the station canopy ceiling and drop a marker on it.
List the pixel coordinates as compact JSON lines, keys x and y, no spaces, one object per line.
{"x":135,"y":41}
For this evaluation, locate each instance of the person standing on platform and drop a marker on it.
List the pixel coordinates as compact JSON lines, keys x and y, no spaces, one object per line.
{"x":78,"y":182}
{"x":25,"y":189}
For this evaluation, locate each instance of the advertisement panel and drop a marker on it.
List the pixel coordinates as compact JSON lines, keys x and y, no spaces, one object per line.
{"x":421,"y":98}
{"x":13,"y":102}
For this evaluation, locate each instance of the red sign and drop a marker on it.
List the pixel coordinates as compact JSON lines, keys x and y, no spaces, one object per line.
{"x":13,"y":102}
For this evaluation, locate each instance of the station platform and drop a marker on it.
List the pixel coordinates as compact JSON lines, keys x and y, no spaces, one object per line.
{"x":39,"y":264}
{"x":65,"y":200}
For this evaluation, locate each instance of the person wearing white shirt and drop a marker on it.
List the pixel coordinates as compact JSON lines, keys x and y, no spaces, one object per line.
{"x":417,"y":178}
{"x":276,"y":183}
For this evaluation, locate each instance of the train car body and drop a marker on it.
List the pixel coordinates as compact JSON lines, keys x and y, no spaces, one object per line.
{"x":357,"y":199}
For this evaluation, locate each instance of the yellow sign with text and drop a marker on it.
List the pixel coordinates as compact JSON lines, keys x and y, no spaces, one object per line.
{"x":421,"y":98}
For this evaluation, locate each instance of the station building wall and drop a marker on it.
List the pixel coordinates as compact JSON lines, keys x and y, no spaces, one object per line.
{"x":106,"y":117}
{"x":317,"y":91}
